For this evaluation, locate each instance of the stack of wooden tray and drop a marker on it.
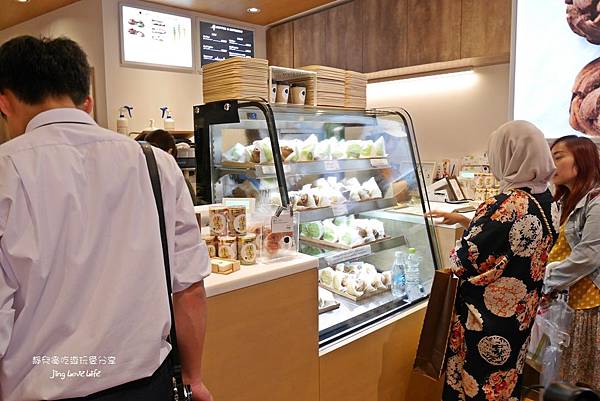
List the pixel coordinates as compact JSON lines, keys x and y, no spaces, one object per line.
{"x":331,"y":85}
{"x":356,"y":90}
{"x":236,"y":78}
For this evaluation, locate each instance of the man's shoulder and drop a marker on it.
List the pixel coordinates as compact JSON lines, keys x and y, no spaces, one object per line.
{"x":36,"y":139}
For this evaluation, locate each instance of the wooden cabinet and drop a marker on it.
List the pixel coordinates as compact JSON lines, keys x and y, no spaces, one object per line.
{"x":250,"y":330}
{"x":309,"y":39}
{"x":433,"y":31}
{"x":384,"y":34}
{"x":376,"y":35}
{"x":382,"y":364}
{"x":486,"y":27}
{"x":344,"y":36}
{"x":280,"y":45}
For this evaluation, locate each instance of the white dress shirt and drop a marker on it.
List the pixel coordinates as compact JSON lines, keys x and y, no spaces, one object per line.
{"x":82,"y":275}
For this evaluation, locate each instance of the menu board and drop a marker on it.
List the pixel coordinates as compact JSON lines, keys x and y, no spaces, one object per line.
{"x":156,"y":38}
{"x":220,"y":42}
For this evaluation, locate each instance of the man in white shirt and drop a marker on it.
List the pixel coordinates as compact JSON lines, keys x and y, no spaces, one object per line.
{"x":83,"y":298}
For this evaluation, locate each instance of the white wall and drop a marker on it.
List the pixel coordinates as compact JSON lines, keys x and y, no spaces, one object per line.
{"x":94,"y":24}
{"x":147,"y":90}
{"x":451,"y":119}
{"x":81,"y":22}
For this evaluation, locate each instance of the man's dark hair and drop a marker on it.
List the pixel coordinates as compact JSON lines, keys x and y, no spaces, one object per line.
{"x":162,"y":139}
{"x":35,"y":69}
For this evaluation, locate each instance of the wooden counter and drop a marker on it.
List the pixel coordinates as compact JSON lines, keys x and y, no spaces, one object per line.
{"x":262,"y":341}
{"x":262,"y":345}
{"x":378,"y":366}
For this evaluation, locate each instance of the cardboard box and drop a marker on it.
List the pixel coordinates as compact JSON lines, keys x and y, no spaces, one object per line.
{"x":224,"y":266}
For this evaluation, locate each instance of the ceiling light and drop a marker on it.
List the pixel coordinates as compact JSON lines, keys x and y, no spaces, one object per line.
{"x":22,"y":1}
{"x":253,"y":10}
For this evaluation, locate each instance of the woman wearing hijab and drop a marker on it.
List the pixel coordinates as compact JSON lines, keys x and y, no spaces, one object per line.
{"x":574,"y":258}
{"x":500,"y":262}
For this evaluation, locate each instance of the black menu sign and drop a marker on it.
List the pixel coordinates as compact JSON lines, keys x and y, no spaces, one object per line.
{"x":220,"y":42}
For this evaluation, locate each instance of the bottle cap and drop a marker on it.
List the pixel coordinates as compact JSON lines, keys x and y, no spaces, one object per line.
{"x":412,"y":250}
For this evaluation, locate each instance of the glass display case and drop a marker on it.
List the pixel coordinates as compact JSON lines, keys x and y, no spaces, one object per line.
{"x":352,"y":179}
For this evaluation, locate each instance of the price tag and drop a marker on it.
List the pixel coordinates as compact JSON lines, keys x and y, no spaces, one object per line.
{"x":348,"y":255}
{"x":379,"y":162}
{"x":339,"y":209}
{"x":282,"y":224}
{"x":332,"y":165}
{"x":270,"y":170}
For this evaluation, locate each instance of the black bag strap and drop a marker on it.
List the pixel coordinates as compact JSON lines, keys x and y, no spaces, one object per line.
{"x":155,"y":180}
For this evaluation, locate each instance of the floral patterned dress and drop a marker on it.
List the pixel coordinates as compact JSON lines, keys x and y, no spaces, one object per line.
{"x":501,"y":262}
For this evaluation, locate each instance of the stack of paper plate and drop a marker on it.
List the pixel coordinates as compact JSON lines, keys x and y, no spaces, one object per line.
{"x":330,"y":90}
{"x":356,"y":90}
{"x":236,"y":78}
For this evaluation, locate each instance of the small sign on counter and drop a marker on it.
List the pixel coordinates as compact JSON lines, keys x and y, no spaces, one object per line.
{"x":283,"y":223}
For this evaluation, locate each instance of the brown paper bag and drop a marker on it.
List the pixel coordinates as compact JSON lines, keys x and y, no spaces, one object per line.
{"x":431,"y":354}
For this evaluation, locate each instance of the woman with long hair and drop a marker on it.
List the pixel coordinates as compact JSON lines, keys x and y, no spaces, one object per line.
{"x":500,"y":261}
{"x":575,"y":259}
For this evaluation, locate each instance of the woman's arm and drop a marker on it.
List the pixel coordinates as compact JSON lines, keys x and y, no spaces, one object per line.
{"x":484,"y":250}
{"x":450,"y":218}
{"x":584,"y":258}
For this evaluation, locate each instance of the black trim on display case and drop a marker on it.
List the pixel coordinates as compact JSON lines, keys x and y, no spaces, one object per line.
{"x":227,"y":112}
{"x":223,"y":112}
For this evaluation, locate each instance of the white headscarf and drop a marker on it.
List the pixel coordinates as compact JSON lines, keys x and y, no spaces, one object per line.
{"x":520,"y":157}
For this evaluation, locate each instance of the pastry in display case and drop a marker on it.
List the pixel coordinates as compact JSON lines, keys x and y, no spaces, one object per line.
{"x":345,"y":176}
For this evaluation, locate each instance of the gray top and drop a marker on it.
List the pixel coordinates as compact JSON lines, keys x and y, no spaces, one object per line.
{"x":582,"y":232}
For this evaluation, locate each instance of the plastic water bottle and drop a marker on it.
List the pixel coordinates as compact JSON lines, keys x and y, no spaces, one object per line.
{"x":414,"y":289}
{"x":398,"y":276}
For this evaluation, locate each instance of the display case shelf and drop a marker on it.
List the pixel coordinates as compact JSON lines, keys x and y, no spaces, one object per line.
{"x":331,"y":255}
{"x":303,"y":168}
{"x":344,"y":209}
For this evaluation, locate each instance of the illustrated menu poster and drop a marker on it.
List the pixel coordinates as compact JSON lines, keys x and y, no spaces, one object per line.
{"x":220,"y":42}
{"x":152,"y":37}
{"x":557,"y":66}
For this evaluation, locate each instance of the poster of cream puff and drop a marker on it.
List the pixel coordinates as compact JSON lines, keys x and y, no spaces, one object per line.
{"x":556,"y":61}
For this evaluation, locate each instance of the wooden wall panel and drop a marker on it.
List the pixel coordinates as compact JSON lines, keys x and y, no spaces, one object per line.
{"x":280,"y":45}
{"x":309,"y":39}
{"x":344,"y":36}
{"x":486,"y":28}
{"x":434,"y":28}
{"x":384,"y":34}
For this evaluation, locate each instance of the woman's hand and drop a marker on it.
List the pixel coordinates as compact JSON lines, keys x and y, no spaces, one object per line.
{"x":200,"y":392}
{"x":450,"y":218}
{"x":547,"y":300}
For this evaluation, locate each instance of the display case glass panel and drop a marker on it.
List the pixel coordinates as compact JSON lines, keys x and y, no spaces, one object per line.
{"x":352,"y":180}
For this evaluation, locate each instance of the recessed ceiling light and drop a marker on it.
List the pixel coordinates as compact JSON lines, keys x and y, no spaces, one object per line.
{"x":22,"y":1}
{"x":251,"y":10}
